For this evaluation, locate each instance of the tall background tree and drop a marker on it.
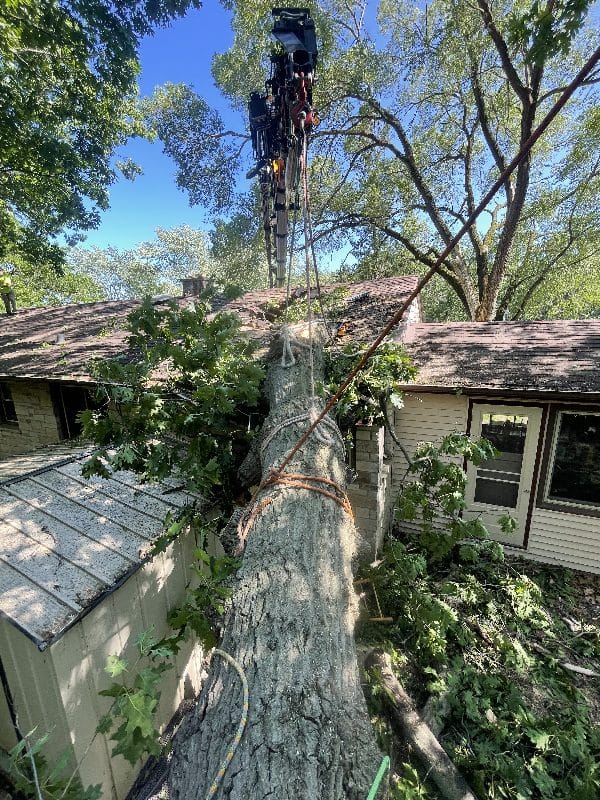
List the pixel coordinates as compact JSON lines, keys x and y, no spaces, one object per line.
{"x":422,"y":108}
{"x":68,"y":72}
{"x":228,"y":254}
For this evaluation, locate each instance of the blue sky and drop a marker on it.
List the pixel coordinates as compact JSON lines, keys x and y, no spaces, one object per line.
{"x":179,"y":54}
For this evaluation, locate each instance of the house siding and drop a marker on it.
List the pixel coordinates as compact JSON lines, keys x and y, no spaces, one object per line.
{"x":424,"y":418}
{"x":571,"y":540}
{"x":36,"y":426}
{"x":554,"y":537}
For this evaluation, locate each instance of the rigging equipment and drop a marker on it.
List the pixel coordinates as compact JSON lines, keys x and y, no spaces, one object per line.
{"x":281,"y":120}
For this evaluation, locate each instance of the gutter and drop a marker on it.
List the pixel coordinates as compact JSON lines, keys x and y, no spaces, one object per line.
{"x":590,"y":397}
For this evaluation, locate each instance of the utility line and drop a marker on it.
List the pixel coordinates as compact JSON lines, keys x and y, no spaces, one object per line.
{"x":544,"y":124}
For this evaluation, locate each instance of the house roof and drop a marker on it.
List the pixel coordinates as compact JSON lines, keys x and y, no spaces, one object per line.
{"x":60,"y":343}
{"x":66,"y":542}
{"x":364,"y":307}
{"x":560,"y":356}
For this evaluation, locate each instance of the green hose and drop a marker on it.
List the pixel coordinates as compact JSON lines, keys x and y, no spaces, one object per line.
{"x":383,"y":768}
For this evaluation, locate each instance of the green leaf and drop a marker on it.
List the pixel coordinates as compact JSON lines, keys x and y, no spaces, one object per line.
{"x":104,"y":724}
{"x":115,"y":666}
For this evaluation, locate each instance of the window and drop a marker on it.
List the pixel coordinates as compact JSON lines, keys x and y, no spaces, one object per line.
{"x":498,"y":478}
{"x":8,"y":415}
{"x":69,"y":402}
{"x":574,"y":470}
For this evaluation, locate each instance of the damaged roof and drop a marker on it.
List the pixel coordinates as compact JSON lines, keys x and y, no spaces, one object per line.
{"x":66,"y":541}
{"x":561,"y":356}
{"x":363,"y":308}
{"x":59,"y":343}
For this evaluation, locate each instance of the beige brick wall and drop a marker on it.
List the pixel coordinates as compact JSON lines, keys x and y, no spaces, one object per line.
{"x":37,"y":424}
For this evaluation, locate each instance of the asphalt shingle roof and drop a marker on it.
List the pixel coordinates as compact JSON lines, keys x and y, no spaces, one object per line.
{"x":60,"y":343}
{"x":544,"y":356}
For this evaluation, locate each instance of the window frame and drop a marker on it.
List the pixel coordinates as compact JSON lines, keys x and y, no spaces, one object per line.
{"x":5,"y":421}
{"x":553,"y":504}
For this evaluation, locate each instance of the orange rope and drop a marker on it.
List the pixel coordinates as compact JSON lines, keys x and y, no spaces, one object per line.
{"x":295,"y":480}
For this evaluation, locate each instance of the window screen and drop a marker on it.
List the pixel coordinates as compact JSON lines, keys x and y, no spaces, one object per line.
{"x":498,"y":478}
{"x":575,"y":466}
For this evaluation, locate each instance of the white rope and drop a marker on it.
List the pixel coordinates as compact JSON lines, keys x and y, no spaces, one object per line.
{"x":214,"y":787}
{"x":311,"y":415}
{"x":307,"y":260}
{"x":287,"y":348}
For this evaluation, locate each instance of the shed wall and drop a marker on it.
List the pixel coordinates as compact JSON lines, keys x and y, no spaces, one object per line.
{"x":57,"y":689}
{"x":36,"y":694}
{"x":111,"y":628}
{"x":37,"y":425}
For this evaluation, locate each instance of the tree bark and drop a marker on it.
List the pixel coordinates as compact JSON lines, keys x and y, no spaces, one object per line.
{"x":290,"y":627}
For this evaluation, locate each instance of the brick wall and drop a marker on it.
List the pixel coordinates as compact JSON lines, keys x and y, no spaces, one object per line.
{"x":371,"y":500}
{"x":37,"y":424}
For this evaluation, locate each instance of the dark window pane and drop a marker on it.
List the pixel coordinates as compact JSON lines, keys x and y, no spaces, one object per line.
{"x":506,"y":462}
{"x":506,"y":432}
{"x":8,"y":414}
{"x":496,"y":493}
{"x":69,"y":402}
{"x":576,"y":467}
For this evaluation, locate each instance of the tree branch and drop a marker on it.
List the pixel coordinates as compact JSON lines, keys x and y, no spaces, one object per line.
{"x":511,"y":73}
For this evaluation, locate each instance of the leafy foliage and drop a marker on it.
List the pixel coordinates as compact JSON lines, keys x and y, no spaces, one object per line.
{"x":137,"y":693}
{"x":366,"y":398}
{"x":152,"y":268}
{"x":548,"y":31}
{"x":436,"y":498}
{"x":225,"y":255}
{"x":487,"y":635}
{"x":331,"y":304}
{"x":182,"y":404}
{"x":134,"y":706}
{"x":39,"y":285}
{"x":68,"y":72}
{"x":34,"y":777}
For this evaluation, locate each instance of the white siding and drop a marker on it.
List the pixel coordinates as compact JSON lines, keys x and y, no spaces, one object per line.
{"x":555,"y":537}
{"x":571,"y":540}
{"x":424,"y":418}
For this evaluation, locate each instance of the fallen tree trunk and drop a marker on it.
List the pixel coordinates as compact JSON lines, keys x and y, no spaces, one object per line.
{"x":290,"y":628}
{"x":416,"y":732}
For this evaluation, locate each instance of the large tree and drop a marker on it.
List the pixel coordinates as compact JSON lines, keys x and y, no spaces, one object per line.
{"x":68,"y":72}
{"x":422,"y":109}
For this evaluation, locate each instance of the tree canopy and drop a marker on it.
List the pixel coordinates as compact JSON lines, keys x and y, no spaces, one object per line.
{"x":228,"y":254}
{"x":39,"y":285}
{"x":68,"y":73}
{"x":422,"y":109}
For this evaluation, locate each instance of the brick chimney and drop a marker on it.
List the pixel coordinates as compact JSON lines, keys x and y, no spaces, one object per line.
{"x":194,"y":285}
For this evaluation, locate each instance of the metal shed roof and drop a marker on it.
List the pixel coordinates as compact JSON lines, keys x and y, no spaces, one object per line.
{"x":66,"y":541}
